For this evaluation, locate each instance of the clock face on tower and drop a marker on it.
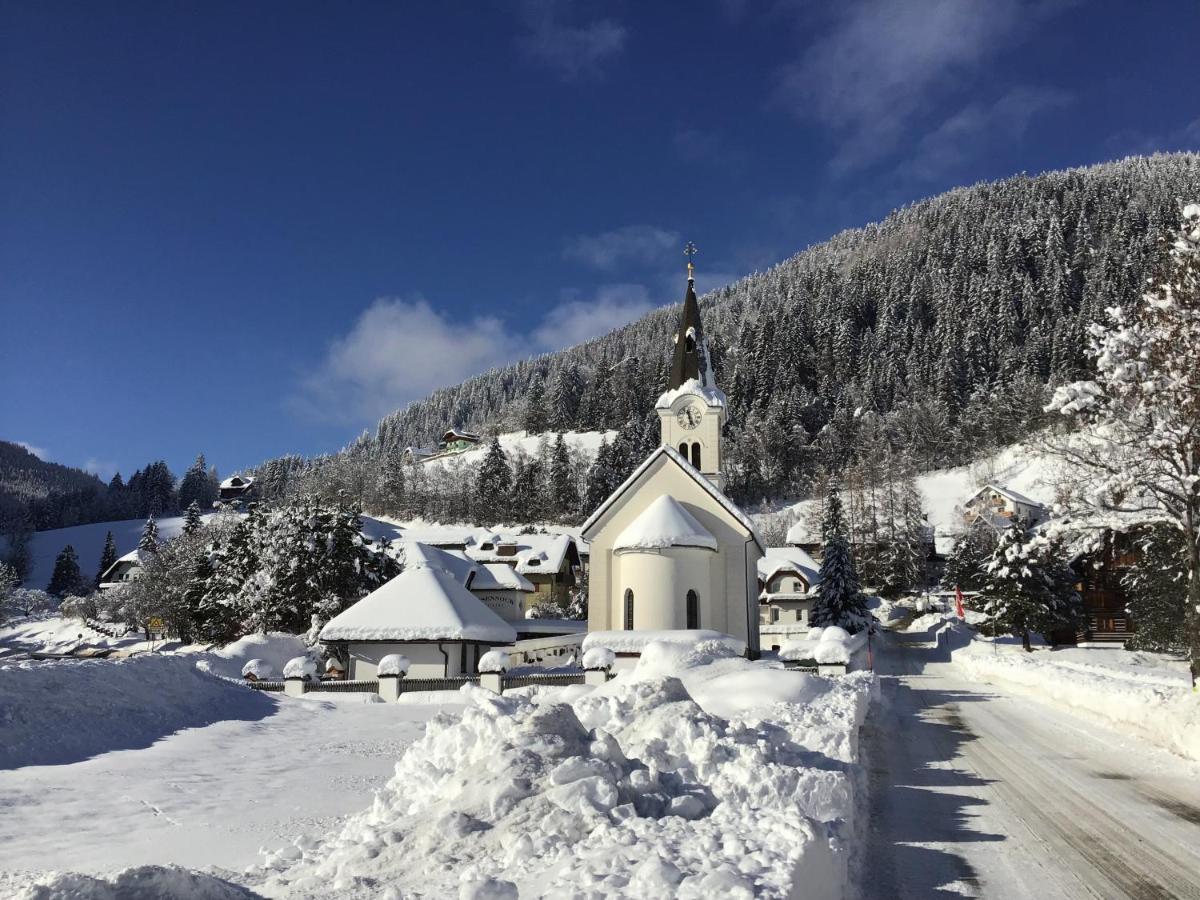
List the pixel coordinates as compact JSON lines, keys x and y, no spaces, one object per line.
{"x":689,"y":417}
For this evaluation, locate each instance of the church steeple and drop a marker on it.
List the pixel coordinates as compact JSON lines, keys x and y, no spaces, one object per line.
{"x":690,"y":359}
{"x":692,"y":411}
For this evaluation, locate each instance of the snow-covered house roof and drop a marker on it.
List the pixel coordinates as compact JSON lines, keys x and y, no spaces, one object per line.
{"x":422,"y":603}
{"x":470,"y":573}
{"x":532,"y":553}
{"x":237,"y":481}
{"x":1012,"y":495}
{"x":132,"y":559}
{"x":500,"y":577}
{"x":788,"y":559}
{"x":457,"y":434}
{"x":664,"y":523}
{"x":672,"y":454}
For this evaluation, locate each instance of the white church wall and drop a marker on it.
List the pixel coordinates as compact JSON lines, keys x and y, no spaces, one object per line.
{"x":660,"y":580}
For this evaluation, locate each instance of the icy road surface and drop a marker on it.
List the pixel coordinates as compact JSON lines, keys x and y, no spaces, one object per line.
{"x":979,"y":794}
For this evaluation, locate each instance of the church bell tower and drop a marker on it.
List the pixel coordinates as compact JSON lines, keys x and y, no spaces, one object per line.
{"x":692,"y":411}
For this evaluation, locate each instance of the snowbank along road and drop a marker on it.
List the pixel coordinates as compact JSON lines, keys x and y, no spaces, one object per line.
{"x":979,"y":794}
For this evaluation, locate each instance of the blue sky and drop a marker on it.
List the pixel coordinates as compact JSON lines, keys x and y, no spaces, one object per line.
{"x":251,"y":228}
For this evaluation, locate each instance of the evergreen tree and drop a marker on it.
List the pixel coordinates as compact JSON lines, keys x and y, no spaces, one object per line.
{"x":526,"y":503}
{"x":564,"y":496}
{"x":566,"y":387}
{"x":108,"y":556}
{"x":212,"y":623}
{"x":966,"y":566}
{"x":149,"y":540}
{"x":1028,"y":587}
{"x":199,"y":485}
{"x":536,"y":418}
{"x":603,"y":478}
{"x":390,"y":491}
{"x":66,"y":578}
{"x":493,"y":482}
{"x":1156,"y":586}
{"x":191,"y":519}
{"x":839,"y":599}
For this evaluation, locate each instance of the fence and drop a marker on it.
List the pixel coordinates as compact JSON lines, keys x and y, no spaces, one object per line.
{"x":453,"y":683}
{"x":555,"y":679}
{"x":342,"y":687}
{"x":807,"y":666}
{"x":265,"y":685}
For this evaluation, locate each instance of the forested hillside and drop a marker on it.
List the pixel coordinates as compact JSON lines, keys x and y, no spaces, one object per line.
{"x":947,"y":320}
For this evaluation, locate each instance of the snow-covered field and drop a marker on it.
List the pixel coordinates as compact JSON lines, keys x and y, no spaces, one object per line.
{"x":697,"y":774}
{"x":106,"y":765}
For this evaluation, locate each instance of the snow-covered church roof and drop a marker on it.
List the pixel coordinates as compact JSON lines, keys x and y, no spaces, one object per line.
{"x":422,"y":603}
{"x":710,"y":394}
{"x":664,"y":523}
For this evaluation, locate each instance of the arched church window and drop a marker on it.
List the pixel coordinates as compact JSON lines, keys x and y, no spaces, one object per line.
{"x":689,"y":343}
{"x":693,"y":610}
{"x":629,"y":609}
{"x":683,"y":450}
{"x":695,"y":456}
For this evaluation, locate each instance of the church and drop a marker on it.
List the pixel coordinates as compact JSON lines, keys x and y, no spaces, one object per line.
{"x":669,"y":551}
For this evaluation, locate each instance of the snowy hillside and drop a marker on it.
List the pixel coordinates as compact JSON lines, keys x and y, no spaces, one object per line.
{"x":88,"y":541}
{"x":1021,"y":467}
{"x":522,"y":443}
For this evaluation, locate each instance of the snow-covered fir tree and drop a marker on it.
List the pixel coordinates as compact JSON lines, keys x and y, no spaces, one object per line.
{"x":1028,"y":586}
{"x":1141,"y":456}
{"x":148,"y":543}
{"x":199,"y":485}
{"x":536,"y":419}
{"x":191,"y":518}
{"x":839,"y":599}
{"x":493,"y":483}
{"x":564,"y":496}
{"x":966,"y":566}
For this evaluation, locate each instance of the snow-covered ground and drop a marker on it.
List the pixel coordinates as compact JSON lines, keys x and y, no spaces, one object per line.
{"x":108,"y":764}
{"x":517,"y":443}
{"x":697,"y":774}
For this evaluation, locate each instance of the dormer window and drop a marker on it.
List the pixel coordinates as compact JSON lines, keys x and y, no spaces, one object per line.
{"x":486,"y":545}
{"x":533,"y":562}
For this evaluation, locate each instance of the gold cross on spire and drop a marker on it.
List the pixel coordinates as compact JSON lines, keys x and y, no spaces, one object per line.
{"x":689,"y":251}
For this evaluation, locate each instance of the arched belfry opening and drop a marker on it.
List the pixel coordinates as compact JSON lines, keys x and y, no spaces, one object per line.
{"x":693,"y":609}
{"x":629,"y":609}
{"x":696,"y":456}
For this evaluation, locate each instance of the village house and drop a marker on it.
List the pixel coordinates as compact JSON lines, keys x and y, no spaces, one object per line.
{"x":1000,"y":507}
{"x":456,"y":441}
{"x":123,"y":571}
{"x":236,"y":490}
{"x":425,"y":613}
{"x":787,"y":579}
{"x":669,"y":552}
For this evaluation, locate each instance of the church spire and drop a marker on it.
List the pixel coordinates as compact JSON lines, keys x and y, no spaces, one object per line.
{"x":690,"y":359}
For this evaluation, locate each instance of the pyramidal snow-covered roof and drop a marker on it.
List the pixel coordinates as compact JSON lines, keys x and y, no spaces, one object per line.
{"x":422,"y":603}
{"x":664,"y":523}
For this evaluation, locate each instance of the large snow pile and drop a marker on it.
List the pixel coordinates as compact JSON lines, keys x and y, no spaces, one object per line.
{"x":140,"y":883}
{"x":272,"y":649}
{"x":698,"y":774}
{"x":1150,"y":705}
{"x":60,"y":712}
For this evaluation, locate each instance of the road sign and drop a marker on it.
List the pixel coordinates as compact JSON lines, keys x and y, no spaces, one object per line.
{"x":155,"y":624}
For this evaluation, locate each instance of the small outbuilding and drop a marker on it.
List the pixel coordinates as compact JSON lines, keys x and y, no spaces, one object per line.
{"x":424,"y":613}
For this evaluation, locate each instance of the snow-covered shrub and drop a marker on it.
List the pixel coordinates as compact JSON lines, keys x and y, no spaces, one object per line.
{"x":300,"y":667}
{"x":494,"y":661}
{"x":599,"y":658}
{"x":257,"y":668}
{"x":78,"y":607}
{"x":833,"y":634}
{"x":393,"y":664}
{"x":333,"y":664}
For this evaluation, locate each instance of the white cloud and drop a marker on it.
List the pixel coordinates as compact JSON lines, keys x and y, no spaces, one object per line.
{"x":40,"y":452}
{"x":397,"y":351}
{"x":882,"y":63}
{"x":575,"y":51}
{"x":576,"y":321}
{"x":100,"y":468}
{"x":401,"y":350}
{"x":629,"y":244}
{"x":971,"y":129}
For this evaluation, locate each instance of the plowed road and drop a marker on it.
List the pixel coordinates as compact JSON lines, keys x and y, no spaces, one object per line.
{"x":979,"y":794}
